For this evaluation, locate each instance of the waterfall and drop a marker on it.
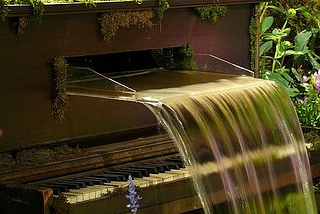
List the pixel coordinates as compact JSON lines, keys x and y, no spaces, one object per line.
{"x":244,"y":142}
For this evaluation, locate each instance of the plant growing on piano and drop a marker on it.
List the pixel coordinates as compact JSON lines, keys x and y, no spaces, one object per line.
{"x":291,"y":57}
{"x":60,"y":102}
{"x":132,"y":196}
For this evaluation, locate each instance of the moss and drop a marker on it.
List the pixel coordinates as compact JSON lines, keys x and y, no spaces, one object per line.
{"x":5,"y":159}
{"x":42,"y":154}
{"x":253,"y":35}
{"x":61,"y":206}
{"x":211,"y":13}
{"x":60,"y":102}
{"x":163,"y":6}
{"x":111,"y":22}
{"x":20,"y":25}
{"x":312,"y":139}
{"x":4,"y":10}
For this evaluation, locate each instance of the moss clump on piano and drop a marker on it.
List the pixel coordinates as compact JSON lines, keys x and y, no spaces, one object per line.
{"x":60,"y":102}
{"x":39,"y":155}
{"x":60,"y":205}
{"x":36,"y":155}
{"x":5,"y":159}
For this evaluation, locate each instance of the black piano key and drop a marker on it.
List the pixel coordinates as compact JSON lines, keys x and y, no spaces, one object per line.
{"x":144,"y":172}
{"x":110,"y":177}
{"x":151,"y":170}
{"x":173,"y":165}
{"x":97,"y":180}
{"x":159,"y":168}
{"x":177,"y":161}
{"x":82,"y":184}
{"x":61,"y":188}
{"x":86,"y":181}
{"x":69,"y":185}
{"x":134,"y":173}
{"x":126,"y":174}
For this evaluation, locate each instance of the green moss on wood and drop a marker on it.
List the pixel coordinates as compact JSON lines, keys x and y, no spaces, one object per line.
{"x":211,"y":13}
{"x":111,"y":22}
{"x":253,"y":35}
{"x":60,"y":102}
{"x":61,"y":206}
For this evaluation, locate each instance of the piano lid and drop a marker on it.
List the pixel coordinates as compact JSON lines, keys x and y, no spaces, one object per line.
{"x":99,"y":81}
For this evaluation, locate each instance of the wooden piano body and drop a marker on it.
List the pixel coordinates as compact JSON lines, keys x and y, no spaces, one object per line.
{"x":105,"y":129}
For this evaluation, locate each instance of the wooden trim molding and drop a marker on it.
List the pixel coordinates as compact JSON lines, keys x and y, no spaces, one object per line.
{"x":106,"y":6}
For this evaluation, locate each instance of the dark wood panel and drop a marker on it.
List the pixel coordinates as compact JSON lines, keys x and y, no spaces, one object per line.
{"x":26,"y":83}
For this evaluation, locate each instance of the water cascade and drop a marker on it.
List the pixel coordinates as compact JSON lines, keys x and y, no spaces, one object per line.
{"x":244,"y":142}
{"x":240,"y":135}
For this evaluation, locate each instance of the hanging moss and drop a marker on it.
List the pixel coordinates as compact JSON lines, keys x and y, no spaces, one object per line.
{"x":20,"y":25}
{"x":253,"y":34}
{"x":211,"y":13}
{"x":111,"y":22}
{"x":163,"y":6}
{"x":60,"y":102}
{"x":4,"y":10}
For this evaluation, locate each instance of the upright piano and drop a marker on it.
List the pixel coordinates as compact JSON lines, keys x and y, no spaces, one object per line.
{"x":78,"y":158}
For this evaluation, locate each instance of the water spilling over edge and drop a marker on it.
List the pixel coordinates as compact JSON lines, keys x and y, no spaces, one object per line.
{"x":244,"y":142}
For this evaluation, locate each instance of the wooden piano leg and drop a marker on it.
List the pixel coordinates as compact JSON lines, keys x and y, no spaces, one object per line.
{"x":24,"y":199}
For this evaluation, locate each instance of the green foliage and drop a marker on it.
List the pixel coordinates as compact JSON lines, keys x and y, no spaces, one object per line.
{"x":211,"y":13}
{"x":4,"y":10}
{"x":60,"y":102}
{"x":111,"y":22}
{"x":308,"y":108}
{"x":288,"y":54}
{"x":89,"y":4}
{"x":163,"y":6}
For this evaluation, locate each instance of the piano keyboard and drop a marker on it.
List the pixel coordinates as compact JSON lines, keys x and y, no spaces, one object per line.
{"x":99,"y":183}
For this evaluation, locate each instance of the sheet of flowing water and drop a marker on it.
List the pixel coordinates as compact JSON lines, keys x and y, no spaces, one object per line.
{"x":243,"y":140}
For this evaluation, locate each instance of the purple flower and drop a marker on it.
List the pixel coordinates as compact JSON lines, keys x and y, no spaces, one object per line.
{"x":133,"y":205}
{"x":304,"y":79}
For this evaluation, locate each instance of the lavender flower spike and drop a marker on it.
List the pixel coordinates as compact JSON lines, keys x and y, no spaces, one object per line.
{"x":133,"y":205}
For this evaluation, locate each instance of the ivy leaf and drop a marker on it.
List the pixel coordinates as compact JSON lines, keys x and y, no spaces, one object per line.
{"x":265,"y":47}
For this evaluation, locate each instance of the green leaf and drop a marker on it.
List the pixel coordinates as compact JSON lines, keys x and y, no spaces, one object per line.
{"x":301,"y":40}
{"x":296,"y":74}
{"x":265,"y":47}
{"x":266,"y":24}
{"x":313,"y":62}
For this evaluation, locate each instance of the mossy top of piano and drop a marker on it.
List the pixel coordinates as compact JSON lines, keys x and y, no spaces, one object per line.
{"x":27,"y":85}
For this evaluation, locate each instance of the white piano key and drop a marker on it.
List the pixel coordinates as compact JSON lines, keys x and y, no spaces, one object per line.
{"x":73,"y":197}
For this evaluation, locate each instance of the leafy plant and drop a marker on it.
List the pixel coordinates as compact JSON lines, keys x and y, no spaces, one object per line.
{"x":290,"y":59}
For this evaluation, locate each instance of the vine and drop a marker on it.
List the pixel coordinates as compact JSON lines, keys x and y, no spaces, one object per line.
{"x":111,"y":22}
{"x":60,"y":102}
{"x":4,"y":9}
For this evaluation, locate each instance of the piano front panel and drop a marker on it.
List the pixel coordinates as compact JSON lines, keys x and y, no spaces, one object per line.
{"x":27,"y":85}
